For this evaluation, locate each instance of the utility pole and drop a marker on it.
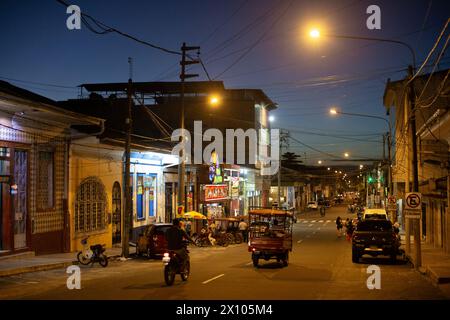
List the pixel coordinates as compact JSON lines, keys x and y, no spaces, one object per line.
{"x":283,"y":139}
{"x":415,"y":222}
{"x":181,"y":167}
{"x":128,"y":207}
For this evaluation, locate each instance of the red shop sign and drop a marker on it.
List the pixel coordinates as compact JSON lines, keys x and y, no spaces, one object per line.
{"x":216,"y":192}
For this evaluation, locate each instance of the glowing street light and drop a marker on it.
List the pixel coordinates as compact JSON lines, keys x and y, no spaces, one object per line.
{"x":333,"y":111}
{"x":346,"y":155}
{"x":319,"y":162}
{"x":214,"y":100}
{"x":271,"y":118}
{"x":328,"y":169}
{"x":314,"y":33}
{"x":361,"y":166}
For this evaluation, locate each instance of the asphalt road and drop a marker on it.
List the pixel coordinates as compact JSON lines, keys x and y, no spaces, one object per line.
{"x":320,"y":267}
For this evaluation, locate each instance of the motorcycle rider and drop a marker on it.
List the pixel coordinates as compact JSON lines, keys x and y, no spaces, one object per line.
{"x":174,"y":237}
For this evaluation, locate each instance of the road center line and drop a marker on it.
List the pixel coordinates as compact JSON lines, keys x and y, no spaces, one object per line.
{"x":310,"y":225}
{"x":299,"y":241}
{"x":212,"y":279}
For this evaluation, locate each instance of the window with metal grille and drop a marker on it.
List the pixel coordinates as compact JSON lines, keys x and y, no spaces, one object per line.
{"x":90,"y":206}
{"x":45,"y":180}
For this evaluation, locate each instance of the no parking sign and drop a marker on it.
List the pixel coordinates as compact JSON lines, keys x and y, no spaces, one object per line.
{"x":413,"y":201}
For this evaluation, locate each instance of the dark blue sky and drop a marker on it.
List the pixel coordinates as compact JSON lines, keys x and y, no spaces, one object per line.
{"x":304,"y":78}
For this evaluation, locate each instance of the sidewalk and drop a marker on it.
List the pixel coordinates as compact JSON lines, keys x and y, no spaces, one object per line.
{"x":23,"y":263}
{"x":435,"y":262}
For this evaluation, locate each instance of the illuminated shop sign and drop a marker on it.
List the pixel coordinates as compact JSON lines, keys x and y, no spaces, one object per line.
{"x":215,"y":192}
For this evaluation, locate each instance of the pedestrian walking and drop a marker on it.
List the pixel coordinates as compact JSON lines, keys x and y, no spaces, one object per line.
{"x":188,"y":227}
{"x":339,"y":226}
{"x":349,"y":230}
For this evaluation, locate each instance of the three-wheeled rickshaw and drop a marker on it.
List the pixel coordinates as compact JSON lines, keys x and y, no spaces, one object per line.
{"x":270,"y":234}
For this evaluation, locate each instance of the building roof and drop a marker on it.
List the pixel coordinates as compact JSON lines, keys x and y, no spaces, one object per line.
{"x":190,"y":87}
{"x":25,"y":104}
{"x":157,"y":87}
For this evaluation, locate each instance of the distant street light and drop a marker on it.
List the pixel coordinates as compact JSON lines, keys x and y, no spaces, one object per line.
{"x":271,"y":118}
{"x":346,"y":155}
{"x":319,"y":162}
{"x":214,"y":100}
{"x":328,"y":169}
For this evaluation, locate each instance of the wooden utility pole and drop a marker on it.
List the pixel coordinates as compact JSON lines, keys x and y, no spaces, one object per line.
{"x":415,"y":172}
{"x":181,"y":166}
{"x":127,"y":213}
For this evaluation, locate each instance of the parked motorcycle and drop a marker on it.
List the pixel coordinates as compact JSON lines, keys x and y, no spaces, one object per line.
{"x":174,"y":265}
{"x":92,"y":254}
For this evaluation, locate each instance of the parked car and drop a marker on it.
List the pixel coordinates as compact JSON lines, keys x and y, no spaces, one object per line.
{"x":153,"y":241}
{"x":375,"y":214}
{"x":375,"y":237}
{"x":313,"y":205}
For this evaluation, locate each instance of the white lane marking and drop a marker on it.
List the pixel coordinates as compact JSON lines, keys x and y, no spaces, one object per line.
{"x":32,"y":282}
{"x":318,"y":228}
{"x":314,"y":221}
{"x":299,"y":241}
{"x":247,"y":264}
{"x":310,"y":225}
{"x":321,"y":221}
{"x":305,"y":221}
{"x":328,"y":221}
{"x":212,"y":279}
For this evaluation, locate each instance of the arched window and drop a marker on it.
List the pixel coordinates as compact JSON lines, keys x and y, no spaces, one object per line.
{"x":90,"y":206}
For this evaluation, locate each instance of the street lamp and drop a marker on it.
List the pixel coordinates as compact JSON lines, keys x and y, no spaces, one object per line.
{"x":346,"y":155}
{"x":335,"y":111}
{"x":319,"y":162}
{"x":271,"y":118}
{"x":214,"y":100}
{"x":315,"y":33}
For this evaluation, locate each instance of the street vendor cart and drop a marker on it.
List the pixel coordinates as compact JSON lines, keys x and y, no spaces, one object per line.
{"x":270,"y":234}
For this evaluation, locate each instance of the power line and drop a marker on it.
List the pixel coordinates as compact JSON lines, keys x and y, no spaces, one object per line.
{"x":256,"y":42}
{"x":107,"y":29}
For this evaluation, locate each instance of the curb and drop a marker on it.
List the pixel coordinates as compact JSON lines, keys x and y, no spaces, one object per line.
{"x":430,"y":273}
{"x":43,"y":267}
{"x":437,"y":279}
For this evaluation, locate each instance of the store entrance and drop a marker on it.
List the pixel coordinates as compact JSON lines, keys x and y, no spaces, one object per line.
{"x":5,"y":217}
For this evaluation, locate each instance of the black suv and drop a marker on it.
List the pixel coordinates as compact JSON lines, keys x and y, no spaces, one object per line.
{"x":375,"y":237}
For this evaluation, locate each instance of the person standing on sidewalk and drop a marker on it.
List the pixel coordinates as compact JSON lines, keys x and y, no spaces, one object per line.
{"x":243,"y":227}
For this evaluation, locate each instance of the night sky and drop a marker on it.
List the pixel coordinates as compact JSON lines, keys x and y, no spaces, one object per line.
{"x":304,"y":77}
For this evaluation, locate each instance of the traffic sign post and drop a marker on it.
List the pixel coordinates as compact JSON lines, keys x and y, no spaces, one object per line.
{"x":413,"y":213}
{"x":392,"y":208}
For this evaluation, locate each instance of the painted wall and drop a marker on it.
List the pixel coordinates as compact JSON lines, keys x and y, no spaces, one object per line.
{"x":89,"y":158}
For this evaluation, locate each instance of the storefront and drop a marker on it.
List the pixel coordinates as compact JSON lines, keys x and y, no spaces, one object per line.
{"x":148,"y":193}
{"x":214,"y":200}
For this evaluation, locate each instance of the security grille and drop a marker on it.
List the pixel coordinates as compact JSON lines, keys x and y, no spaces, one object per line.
{"x":90,"y":206}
